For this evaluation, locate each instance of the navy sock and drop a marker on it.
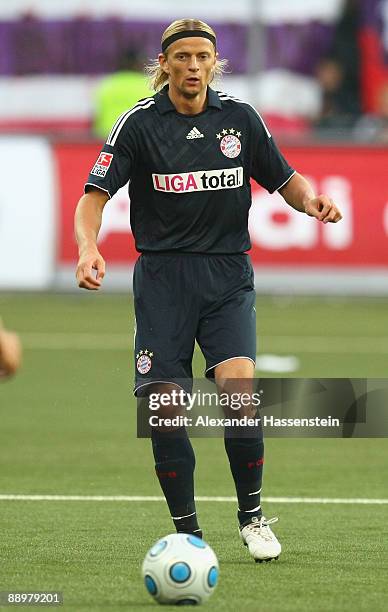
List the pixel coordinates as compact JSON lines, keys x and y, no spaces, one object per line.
{"x":174,"y":466}
{"x":246,"y":458}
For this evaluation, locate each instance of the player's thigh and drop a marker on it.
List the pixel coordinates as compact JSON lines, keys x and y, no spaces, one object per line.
{"x":165,"y":322}
{"x":228,"y":334}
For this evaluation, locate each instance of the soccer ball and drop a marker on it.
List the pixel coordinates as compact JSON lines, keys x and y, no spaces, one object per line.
{"x":180,"y":569}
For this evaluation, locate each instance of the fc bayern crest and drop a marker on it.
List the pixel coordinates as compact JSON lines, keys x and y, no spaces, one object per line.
{"x":144,"y":361}
{"x":230,"y":145}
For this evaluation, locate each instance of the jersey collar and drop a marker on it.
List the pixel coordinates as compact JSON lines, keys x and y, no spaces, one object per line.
{"x":164,"y":104}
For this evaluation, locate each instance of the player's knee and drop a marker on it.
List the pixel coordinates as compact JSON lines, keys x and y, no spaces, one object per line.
{"x":165,"y":406}
{"x":234,"y":368}
{"x":240,"y":391}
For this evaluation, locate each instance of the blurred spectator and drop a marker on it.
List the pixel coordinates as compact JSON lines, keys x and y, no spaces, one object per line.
{"x":374,"y":127}
{"x":10,"y":353}
{"x":345,"y":48}
{"x":119,"y":92}
{"x":339,"y":108}
{"x":338,"y":75}
{"x":373,"y":40}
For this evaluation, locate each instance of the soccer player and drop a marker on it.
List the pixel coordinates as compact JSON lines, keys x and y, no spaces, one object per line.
{"x":189,"y":153}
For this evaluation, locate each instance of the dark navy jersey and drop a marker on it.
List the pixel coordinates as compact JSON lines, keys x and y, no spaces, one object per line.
{"x":189,"y":175}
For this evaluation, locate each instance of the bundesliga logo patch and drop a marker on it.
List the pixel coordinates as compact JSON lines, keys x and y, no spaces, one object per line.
{"x":144,"y":361}
{"x":230,"y":144}
{"x":101,"y":166}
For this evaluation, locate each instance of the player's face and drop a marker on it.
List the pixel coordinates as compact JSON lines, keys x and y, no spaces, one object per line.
{"x":189,"y":64}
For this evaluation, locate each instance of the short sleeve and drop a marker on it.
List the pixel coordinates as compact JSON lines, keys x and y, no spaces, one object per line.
{"x":269,"y":168}
{"x":116,"y":161}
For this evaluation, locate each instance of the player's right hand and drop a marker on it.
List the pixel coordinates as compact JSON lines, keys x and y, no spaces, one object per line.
{"x":88,"y":263}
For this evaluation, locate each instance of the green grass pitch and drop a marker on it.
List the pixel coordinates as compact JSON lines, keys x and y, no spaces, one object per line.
{"x":68,"y":427}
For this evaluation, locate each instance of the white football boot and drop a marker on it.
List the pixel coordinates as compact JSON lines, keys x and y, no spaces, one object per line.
{"x":261,"y":542}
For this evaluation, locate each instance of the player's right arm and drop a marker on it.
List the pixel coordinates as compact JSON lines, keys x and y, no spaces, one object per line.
{"x":111,"y":171}
{"x":87,"y":223}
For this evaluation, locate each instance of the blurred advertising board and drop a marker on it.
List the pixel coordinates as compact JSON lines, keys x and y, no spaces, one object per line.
{"x":281,"y":237}
{"x":27,"y":213}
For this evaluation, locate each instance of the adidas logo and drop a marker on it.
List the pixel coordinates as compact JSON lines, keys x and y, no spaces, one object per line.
{"x":194,"y":133}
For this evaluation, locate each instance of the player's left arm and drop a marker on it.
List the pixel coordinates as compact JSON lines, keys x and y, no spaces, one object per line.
{"x":299,"y":194}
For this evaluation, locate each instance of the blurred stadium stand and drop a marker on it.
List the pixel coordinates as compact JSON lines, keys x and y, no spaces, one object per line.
{"x":53,"y":55}
{"x":317,"y":70}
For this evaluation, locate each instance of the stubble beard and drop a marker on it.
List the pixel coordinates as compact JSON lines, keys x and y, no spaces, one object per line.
{"x":191,"y":95}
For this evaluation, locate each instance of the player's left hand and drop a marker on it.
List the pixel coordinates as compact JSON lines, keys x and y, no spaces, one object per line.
{"x":323,"y":208}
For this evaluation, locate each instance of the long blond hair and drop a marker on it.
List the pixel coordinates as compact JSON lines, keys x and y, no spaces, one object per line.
{"x":156,"y":75}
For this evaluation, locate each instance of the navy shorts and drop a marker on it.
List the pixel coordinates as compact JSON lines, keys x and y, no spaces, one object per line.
{"x":181,"y":298}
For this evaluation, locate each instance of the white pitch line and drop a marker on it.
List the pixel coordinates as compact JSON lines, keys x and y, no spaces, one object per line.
{"x":200,"y":498}
{"x":297,"y":344}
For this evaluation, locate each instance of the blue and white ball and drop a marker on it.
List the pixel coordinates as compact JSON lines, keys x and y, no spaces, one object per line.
{"x":180,"y":569}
